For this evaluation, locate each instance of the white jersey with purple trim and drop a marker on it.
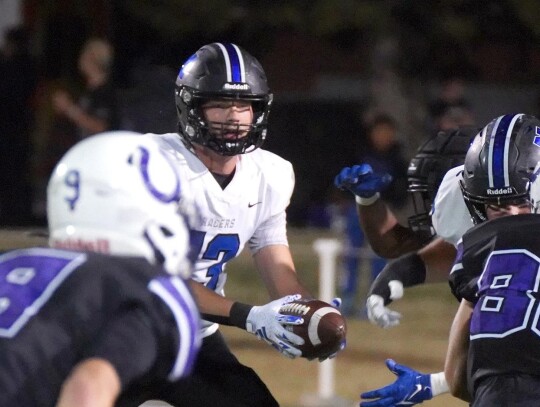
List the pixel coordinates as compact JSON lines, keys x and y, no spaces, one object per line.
{"x":449,"y":214}
{"x":251,"y":209}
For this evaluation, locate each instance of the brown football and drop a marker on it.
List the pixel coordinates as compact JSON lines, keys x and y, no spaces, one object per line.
{"x":324,"y":328}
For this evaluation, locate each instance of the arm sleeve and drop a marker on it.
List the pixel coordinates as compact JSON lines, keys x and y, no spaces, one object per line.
{"x":280,"y":182}
{"x":464,"y":275}
{"x":272,"y":231}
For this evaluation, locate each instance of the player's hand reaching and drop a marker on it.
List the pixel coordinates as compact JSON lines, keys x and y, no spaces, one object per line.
{"x":379,"y":314}
{"x":410,"y":388}
{"x":362,"y":181}
{"x":405,"y":271}
{"x":268,"y":324}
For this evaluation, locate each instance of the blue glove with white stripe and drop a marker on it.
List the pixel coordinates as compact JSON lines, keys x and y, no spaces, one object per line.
{"x":410,"y":388}
{"x":362,"y":181}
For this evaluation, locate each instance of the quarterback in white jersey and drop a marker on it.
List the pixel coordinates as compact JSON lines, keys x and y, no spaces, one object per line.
{"x":223,"y":102}
{"x":250,"y":210}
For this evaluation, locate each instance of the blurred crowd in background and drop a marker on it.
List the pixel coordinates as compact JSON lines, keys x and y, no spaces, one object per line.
{"x":353,"y":81}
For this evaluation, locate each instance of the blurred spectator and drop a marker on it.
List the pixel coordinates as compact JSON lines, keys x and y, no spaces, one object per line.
{"x":451,"y":109}
{"x":18,"y":81}
{"x":383,"y":151}
{"x":96,"y":110}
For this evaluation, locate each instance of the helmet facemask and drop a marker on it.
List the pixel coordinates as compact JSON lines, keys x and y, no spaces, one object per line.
{"x":421,"y":198}
{"x":437,"y":155}
{"x":194,"y":128}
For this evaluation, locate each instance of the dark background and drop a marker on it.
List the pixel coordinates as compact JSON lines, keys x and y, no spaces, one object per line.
{"x":324,"y":60}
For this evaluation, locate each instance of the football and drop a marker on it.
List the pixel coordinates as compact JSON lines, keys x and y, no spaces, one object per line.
{"x":323,"y":330}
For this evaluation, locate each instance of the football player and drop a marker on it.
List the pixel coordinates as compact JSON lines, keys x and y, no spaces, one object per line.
{"x":495,"y":182}
{"x":421,"y":256}
{"x":492,"y":357}
{"x":223,"y":102}
{"x":104,"y":317}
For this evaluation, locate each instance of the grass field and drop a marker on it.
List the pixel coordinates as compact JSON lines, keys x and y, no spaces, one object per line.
{"x":420,"y":341}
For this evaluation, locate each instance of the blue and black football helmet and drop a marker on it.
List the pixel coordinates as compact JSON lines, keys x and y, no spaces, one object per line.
{"x":227,"y":72}
{"x":500,"y":163}
{"x":441,"y":152}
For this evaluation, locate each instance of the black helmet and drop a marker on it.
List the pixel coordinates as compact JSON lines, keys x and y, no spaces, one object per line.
{"x":226,"y":72}
{"x":500,"y":162}
{"x":443,"y":151}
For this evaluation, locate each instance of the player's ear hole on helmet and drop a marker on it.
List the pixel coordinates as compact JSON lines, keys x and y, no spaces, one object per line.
{"x":166,"y":232}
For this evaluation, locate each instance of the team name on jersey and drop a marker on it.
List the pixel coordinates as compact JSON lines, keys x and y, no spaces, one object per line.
{"x":218,"y":223}
{"x":499,"y":191}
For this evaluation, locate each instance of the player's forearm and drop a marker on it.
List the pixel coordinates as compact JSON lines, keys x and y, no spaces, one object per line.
{"x":386,"y":236}
{"x":276,"y":268}
{"x":455,"y":367}
{"x":210,"y":302}
{"x":438,"y":257}
{"x":92,"y":383}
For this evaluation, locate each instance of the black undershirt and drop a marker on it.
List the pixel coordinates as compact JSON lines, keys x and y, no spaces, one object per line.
{"x":223,"y":180}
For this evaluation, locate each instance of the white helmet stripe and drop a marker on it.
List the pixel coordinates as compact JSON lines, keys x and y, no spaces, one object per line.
{"x":494,"y":168}
{"x":227,"y":61}
{"x":490,"y":155}
{"x":507,"y":148}
{"x":241,"y":62}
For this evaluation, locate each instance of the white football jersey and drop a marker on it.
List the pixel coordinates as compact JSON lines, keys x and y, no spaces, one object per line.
{"x":449,"y":214}
{"x":251,"y":209}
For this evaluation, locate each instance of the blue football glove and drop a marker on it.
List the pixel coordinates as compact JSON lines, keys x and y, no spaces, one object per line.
{"x":336,"y":302}
{"x":410,"y":388}
{"x":361,"y":180}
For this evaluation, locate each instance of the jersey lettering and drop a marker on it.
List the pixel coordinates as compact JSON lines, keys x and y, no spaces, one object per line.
{"x":509,"y":294}
{"x":27,"y":281}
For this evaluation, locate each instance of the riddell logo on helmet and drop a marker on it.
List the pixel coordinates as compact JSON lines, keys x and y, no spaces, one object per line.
{"x":99,"y":245}
{"x":500,"y":191}
{"x":236,"y":86}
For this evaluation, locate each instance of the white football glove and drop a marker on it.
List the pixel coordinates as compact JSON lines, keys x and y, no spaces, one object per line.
{"x":268,"y":324}
{"x":383,"y":316}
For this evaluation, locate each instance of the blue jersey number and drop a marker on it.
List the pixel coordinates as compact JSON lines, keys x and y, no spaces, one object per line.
{"x":27,"y":281}
{"x":226,"y":244}
{"x":508,"y":291}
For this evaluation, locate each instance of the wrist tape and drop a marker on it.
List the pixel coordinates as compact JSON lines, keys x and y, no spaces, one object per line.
{"x":409,"y":269}
{"x":237,"y":316}
{"x":367,"y":201}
